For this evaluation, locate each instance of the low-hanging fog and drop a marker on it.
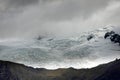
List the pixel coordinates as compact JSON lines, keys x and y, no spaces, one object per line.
{"x":29,"y":18}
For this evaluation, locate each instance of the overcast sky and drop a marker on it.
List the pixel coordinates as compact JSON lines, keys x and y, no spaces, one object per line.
{"x":25,"y":18}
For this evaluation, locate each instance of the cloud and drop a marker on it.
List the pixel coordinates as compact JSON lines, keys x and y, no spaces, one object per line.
{"x":69,"y":9}
{"x":22,"y":2}
{"x":55,"y":17}
{"x":11,"y":6}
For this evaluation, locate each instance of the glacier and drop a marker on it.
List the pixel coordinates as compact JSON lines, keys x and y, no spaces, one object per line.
{"x":53,"y":53}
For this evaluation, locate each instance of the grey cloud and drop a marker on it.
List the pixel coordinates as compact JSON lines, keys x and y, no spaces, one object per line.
{"x":6,"y":5}
{"x":10,"y":8}
{"x":22,"y":2}
{"x":66,"y":10}
{"x":115,"y":18}
{"x":69,"y":9}
{"x":44,"y":16}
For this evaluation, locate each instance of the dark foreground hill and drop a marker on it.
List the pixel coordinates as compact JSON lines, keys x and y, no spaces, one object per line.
{"x":14,"y":71}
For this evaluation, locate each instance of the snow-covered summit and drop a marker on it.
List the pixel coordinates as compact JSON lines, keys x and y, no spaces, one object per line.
{"x":54,"y":53}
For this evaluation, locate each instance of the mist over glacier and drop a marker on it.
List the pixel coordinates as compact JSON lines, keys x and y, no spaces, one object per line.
{"x":64,"y":26}
{"x":53,"y":53}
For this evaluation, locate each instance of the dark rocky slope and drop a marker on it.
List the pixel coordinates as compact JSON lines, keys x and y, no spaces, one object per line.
{"x":14,"y":71}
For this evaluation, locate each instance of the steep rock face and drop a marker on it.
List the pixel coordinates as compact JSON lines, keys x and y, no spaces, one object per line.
{"x":5,"y":73}
{"x":112,"y":73}
{"x":14,"y":71}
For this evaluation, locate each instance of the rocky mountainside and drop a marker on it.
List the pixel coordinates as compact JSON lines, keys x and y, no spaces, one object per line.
{"x":15,"y":71}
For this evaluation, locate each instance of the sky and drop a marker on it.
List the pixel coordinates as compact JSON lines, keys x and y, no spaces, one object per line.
{"x":28,"y":18}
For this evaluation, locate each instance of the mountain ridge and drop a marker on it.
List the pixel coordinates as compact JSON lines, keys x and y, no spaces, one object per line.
{"x":15,"y":71}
